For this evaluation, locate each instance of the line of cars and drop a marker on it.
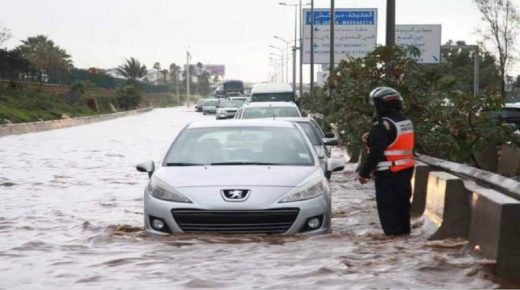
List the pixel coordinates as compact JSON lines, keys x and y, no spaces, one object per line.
{"x":265,"y":171}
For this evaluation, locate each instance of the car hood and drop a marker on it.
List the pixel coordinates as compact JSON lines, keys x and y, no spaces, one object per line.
{"x":205,"y":176}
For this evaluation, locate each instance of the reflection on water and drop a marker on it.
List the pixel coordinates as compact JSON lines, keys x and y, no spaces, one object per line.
{"x":71,"y":215}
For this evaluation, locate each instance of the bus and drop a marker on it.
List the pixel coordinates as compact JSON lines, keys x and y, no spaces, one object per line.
{"x":232,"y":88}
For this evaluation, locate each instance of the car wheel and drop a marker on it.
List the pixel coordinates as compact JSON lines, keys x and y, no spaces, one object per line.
{"x":204,"y":113}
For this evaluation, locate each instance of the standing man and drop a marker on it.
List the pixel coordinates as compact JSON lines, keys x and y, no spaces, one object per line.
{"x":390,"y":159}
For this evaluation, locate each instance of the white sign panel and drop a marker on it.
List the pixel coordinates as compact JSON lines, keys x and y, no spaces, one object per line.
{"x":427,"y":38}
{"x":355,"y":34}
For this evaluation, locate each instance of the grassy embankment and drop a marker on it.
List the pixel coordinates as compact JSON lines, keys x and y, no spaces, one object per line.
{"x":31,"y":104}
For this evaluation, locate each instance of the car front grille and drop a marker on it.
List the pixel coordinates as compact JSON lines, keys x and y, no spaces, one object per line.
{"x":236,"y":221}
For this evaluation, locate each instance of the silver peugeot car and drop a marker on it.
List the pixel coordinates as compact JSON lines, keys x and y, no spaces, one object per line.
{"x":253,"y":176}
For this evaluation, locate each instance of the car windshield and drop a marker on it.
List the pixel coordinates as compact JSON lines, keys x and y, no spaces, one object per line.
{"x":273,"y":97}
{"x":270,"y":112}
{"x":234,"y":104}
{"x":233,"y":85}
{"x":239,"y":146}
{"x":211,"y":103}
{"x":311,"y":133}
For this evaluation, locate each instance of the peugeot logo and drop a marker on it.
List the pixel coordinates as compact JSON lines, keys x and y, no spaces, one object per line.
{"x":235,"y":194}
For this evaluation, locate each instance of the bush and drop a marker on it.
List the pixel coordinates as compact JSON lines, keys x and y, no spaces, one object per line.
{"x":449,"y":124}
{"x":128,"y":96}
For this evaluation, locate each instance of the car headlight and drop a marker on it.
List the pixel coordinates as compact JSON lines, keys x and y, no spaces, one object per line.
{"x":310,"y":190}
{"x":167,"y":194}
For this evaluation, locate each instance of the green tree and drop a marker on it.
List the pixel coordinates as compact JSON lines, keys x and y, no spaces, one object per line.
{"x":44,"y":56}
{"x":128,"y":96}
{"x":449,"y":123}
{"x":132,"y":70}
{"x":502,"y":21}
{"x":12,"y":66}
{"x":203,"y":83}
{"x":457,"y":69}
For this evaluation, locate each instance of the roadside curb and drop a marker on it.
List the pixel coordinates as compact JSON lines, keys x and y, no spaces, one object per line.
{"x":24,"y":128}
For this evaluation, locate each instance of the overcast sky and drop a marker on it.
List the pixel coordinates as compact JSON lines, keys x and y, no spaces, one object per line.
{"x":237,"y":33}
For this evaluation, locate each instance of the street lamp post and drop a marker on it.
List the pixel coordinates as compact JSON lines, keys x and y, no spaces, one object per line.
{"x":287,"y":58}
{"x":281,"y":57}
{"x":297,"y":10}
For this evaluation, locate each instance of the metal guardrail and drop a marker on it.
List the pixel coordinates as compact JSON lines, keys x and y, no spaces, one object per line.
{"x":508,"y":186}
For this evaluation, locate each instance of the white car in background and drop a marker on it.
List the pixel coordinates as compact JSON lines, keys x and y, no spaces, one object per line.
{"x":259,"y":110}
{"x":239,"y":176}
{"x":227,"y":108}
{"x":272,"y":92}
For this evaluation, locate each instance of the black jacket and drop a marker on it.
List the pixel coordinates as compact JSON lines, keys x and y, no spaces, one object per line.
{"x":379,"y":139}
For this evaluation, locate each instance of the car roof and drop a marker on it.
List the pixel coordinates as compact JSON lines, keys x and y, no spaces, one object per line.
{"x":242,"y":123}
{"x":271,"y":88}
{"x":270,"y":104}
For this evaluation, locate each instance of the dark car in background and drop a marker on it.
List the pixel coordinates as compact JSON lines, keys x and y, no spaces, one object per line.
{"x":198,"y":105}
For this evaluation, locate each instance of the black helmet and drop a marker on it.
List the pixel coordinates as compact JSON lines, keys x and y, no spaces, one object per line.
{"x":386,"y":99}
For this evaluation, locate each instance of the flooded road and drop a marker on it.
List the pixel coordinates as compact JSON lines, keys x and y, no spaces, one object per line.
{"x":71,"y":217}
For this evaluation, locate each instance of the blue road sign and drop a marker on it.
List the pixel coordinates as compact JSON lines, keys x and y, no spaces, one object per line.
{"x":343,"y":17}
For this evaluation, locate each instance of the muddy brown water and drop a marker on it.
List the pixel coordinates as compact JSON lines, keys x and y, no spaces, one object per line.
{"x":71,"y":217}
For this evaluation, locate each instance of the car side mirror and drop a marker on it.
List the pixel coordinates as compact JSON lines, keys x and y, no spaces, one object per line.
{"x":148,"y":167}
{"x":304,"y":114}
{"x":330,"y":142}
{"x":335,"y":164}
{"x":329,"y":135}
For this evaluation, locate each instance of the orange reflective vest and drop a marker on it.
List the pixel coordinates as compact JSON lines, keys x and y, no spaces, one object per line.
{"x":399,"y":154}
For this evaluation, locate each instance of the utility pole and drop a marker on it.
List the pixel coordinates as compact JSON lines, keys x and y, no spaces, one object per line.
{"x":294,"y":49}
{"x":390,"y":23}
{"x":312,"y":48}
{"x":332,"y":26}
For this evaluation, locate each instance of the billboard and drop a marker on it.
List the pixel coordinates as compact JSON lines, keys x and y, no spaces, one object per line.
{"x":216,"y":69}
{"x":355,"y":34}
{"x":427,"y":38}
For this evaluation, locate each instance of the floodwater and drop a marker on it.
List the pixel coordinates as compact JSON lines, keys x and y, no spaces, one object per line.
{"x":71,"y":217}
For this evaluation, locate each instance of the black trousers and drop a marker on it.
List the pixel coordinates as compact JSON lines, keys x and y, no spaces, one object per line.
{"x":393,"y":192}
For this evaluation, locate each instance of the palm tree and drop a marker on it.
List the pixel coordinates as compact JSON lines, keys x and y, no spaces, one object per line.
{"x":157,"y":68}
{"x":174,"y":75}
{"x":131,"y":70}
{"x":44,"y":55}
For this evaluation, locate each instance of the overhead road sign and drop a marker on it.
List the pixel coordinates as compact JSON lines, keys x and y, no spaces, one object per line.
{"x":427,"y":38}
{"x":355,"y":34}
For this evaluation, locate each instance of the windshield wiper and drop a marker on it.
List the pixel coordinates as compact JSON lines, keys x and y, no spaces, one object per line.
{"x":183,"y":164}
{"x":245,"y":163}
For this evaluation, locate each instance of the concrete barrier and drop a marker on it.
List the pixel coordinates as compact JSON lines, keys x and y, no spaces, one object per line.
{"x":447,"y":207}
{"x":23,"y":128}
{"x":419,"y":188}
{"x":509,"y":163}
{"x":495,"y":230}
